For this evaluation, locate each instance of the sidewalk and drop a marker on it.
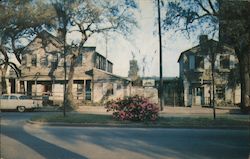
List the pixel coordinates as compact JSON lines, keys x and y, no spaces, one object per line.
{"x":167,"y":110}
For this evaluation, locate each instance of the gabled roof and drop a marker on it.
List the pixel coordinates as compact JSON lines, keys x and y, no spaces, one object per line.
{"x":195,"y":49}
{"x":44,"y":35}
{"x":57,"y":42}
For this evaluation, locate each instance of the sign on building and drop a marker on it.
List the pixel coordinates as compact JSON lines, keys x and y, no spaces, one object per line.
{"x":148,"y":83}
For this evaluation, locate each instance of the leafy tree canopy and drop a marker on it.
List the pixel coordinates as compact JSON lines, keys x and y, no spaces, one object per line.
{"x":189,"y":16}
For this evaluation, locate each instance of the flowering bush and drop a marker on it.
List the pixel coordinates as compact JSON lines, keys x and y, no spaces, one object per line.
{"x":134,"y":108}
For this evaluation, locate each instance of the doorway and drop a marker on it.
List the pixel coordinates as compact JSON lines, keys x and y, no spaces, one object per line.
{"x":88,"y":90}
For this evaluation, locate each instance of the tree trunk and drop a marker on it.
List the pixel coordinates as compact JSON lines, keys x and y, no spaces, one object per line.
{"x":3,"y":81}
{"x":69,"y":93}
{"x":244,"y":60}
{"x":4,"y":70}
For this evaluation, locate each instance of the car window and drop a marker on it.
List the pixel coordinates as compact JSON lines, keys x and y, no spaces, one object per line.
{"x":5,"y":97}
{"x":13,"y":97}
{"x":25,"y":97}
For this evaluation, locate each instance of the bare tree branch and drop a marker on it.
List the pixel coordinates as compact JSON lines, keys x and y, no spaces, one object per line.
{"x":212,"y":7}
{"x":203,"y":8}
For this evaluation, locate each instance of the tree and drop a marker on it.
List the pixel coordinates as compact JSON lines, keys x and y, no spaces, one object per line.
{"x":234,"y":30}
{"x":211,"y":17}
{"x":16,"y":24}
{"x":88,"y":18}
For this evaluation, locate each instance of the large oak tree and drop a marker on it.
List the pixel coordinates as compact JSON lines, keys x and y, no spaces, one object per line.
{"x":89,"y":17}
{"x":19,"y":20}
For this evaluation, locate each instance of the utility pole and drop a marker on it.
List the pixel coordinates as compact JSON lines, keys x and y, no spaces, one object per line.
{"x":65,"y":68}
{"x":65,"y":76}
{"x":160,"y":88}
{"x":213,"y":61}
{"x":106,"y":42}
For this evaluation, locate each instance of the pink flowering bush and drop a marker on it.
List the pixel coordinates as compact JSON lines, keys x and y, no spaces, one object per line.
{"x":134,"y":108}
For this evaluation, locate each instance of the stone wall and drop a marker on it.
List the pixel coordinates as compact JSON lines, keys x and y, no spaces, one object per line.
{"x":147,"y":92}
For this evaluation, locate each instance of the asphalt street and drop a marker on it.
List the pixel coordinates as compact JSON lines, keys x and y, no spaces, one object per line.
{"x":20,"y":140}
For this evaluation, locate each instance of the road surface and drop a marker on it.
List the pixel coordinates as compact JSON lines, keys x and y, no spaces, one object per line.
{"x":20,"y":140}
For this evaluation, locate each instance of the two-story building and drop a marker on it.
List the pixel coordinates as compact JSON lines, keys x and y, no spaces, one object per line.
{"x":42,"y":72}
{"x":195,"y":66}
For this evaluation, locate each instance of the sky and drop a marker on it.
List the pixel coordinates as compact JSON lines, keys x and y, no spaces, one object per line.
{"x":144,"y":45}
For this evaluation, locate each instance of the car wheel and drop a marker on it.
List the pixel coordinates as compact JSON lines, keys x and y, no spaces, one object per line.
{"x":21,"y":108}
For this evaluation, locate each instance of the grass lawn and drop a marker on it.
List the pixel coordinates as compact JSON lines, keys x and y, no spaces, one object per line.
{"x":175,"y":122}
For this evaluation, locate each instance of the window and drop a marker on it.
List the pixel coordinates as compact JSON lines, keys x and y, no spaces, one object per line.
{"x":198,"y":91}
{"x":54,"y":61}
{"x":191,"y":62}
{"x":100,"y":62}
{"x":119,"y":86}
{"x":79,"y":60}
{"x":225,"y":61}
{"x":97,"y":62}
{"x":44,"y":61}
{"x":79,"y":85}
{"x":199,"y":62}
{"x":110,"y":67}
{"x":24,"y":60}
{"x":110,"y":89}
{"x":34,"y":60}
{"x":25,"y":97}
{"x":220,"y":91}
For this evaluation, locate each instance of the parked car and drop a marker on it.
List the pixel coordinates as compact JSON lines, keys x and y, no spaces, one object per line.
{"x":18,"y":102}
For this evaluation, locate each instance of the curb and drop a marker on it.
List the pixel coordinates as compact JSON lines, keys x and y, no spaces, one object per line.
{"x":133,"y":125}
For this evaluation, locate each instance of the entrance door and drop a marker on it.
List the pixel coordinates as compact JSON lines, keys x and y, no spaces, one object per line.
{"x":199,"y":96}
{"x":29,"y":88}
{"x":12,"y":85}
{"x":88,"y":90}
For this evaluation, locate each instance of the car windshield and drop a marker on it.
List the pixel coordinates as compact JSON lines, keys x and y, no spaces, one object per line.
{"x":13,"y":97}
{"x":4,"y":97}
{"x":25,"y":97}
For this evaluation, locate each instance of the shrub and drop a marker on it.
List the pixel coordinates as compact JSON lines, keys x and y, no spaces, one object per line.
{"x":134,"y":108}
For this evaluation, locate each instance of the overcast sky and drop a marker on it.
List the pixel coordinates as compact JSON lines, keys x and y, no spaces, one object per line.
{"x":144,"y":44}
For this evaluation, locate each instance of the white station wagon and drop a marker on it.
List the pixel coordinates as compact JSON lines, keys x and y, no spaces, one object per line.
{"x":18,"y":102}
